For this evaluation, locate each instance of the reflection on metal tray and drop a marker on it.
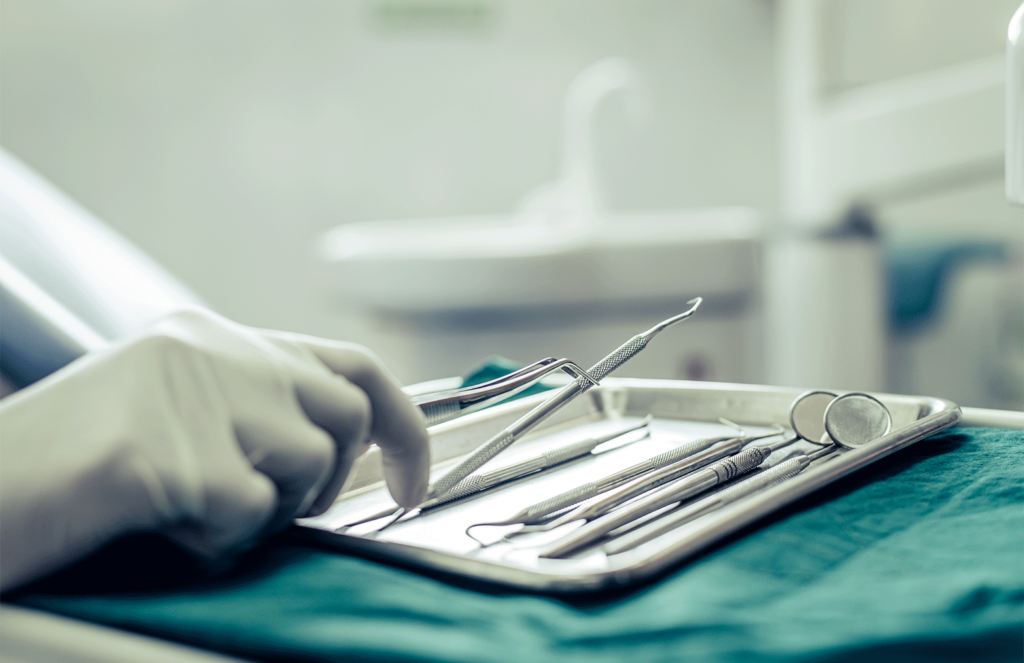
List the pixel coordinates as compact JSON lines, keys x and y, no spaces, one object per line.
{"x":682,"y":412}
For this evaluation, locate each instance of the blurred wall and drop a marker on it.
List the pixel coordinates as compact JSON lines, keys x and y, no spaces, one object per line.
{"x":224,"y":137}
{"x":894,"y":110}
{"x":870,"y":42}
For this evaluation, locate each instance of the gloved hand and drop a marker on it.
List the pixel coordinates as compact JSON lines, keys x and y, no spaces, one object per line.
{"x":209,"y":431}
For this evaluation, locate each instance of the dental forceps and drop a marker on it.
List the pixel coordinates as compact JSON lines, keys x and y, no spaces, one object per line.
{"x":598,"y":372}
{"x":442,"y":406}
{"x":561,"y":398}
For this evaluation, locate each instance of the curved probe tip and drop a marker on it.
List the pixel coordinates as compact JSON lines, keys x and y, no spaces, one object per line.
{"x":504,"y":523}
{"x":731,"y":424}
{"x":470,"y":535}
{"x":696,"y":302}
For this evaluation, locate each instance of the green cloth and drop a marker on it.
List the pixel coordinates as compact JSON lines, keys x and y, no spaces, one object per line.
{"x":919,"y":557}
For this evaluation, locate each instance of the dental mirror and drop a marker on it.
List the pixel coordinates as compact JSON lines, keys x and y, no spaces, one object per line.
{"x":807,"y":414}
{"x":855,"y":419}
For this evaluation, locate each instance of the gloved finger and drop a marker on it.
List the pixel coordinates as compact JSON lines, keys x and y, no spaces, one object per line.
{"x":297,"y":456}
{"x":342,"y":474}
{"x":343,"y":410}
{"x":397,"y":427}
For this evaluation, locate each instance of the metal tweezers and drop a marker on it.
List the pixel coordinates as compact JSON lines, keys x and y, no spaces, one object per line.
{"x":584,"y":381}
{"x":442,"y":406}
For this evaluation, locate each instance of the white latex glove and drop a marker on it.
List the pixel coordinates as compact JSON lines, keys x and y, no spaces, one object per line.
{"x":209,"y":431}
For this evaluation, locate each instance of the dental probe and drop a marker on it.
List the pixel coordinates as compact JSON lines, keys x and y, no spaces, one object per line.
{"x":761,"y":481}
{"x":600,"y":370}
{"x":685,"y":458}
{"x":477,"y":483}
{"x":602,"y":504}
{"x":677,"y":491}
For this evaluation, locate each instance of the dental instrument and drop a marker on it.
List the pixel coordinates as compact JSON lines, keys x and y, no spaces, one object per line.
{"x":855,"y":419}
{"x":606,"y":502}
{"x":598,"y":372}
{"x":758,"y":482}
{"x":677,"y":491}
{"x":477,"y":483}
{"x":851,"y":420}
{"x":682,"y":459}
{"x":442,"y":406}
{"x":807,"y":414}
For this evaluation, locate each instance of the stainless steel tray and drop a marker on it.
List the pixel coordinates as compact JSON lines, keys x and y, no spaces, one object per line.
{"x":683,"y":411}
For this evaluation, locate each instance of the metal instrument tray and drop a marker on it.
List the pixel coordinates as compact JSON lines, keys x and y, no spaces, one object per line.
{"x":682,"y":411}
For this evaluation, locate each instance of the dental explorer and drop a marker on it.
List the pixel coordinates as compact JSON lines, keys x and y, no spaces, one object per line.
{"x":602,"y":504}
{"x":598,"y":372}
{"x":761,"y":481}
{"x":683,"y":459}
{"x":677,"y":491}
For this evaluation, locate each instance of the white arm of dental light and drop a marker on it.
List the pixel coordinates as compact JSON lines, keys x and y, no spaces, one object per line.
{"x":208,"y":431}
{"x":1015,"y":108}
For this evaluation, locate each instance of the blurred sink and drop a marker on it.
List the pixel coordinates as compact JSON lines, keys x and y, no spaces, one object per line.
{"x":441,"y":294}
{"x":470,"y":263}
{"x":565,"y":276}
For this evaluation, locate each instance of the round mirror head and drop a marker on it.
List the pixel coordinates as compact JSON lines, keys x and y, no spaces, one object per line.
{"x":855,"y":419}
{"x":807,"y":414}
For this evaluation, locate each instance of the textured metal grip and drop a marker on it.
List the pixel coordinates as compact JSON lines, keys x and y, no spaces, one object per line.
{"x":766,"y":479}
{"x":436,"y":413}
{"x":673,"y":456}
{"x":476,"y":483}
{"x":741,"y":463}
{"x":721,"y":471}
{"x":469,"y":486}
{"x":656,"y":528}
{"x":558,"y":502}
{"x":494,"y":446}
{"x":602,"y":368}
{"x":568,"y":452}
{"x":655,"y":481}
{"x":588,"y":490}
